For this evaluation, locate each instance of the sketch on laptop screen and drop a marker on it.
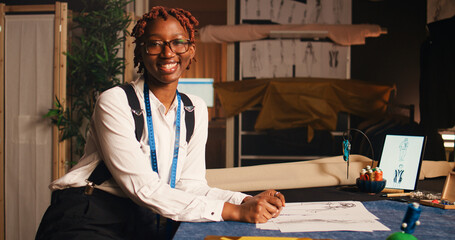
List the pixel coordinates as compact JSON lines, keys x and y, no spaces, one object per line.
{"x":401,"y":160}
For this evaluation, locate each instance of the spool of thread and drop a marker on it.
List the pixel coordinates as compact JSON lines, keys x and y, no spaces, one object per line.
{"x":363,"y":172}
{"x":409,"y":223}
{"x":370,"y":175}
{"x":411,"y":218}
{"x":378,"y":175}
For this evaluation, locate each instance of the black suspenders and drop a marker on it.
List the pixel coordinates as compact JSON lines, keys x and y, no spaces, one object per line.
{"x":101,"y":173}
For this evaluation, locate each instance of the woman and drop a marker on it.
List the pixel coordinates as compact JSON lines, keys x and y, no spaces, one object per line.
{"x":161,"y":173}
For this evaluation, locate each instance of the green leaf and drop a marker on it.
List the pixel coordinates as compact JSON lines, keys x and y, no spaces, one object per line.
{"x":93,"y":65}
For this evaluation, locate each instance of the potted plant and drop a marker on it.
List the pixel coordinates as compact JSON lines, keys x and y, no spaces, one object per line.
{"x":94,"y":65}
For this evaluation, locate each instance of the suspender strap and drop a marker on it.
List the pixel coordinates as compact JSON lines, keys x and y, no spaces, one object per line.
{"x":101,"y":173}
{"x":135,"y":109}
{"x":189,"y":116}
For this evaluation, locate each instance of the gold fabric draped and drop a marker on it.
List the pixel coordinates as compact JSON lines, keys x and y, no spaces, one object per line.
{"x":210,"y":63}
{"x":297,"y":102}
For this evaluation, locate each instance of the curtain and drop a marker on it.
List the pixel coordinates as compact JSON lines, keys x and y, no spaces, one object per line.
{"x":29,"y":43}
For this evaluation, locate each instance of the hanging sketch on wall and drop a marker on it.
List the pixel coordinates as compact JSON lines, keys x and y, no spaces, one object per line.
{"x":293,"y":58}
{"x":279,"y":64}
{"x":297,"y":12}
{"x":253,"y":59}
{"x":290,"y":12}
{"x":268,"y":58}
{"x":321,"y":59}
{"x":309,"y":60}
{"x":335,"y":60}
{"x":256,"y":9}
{"x":283,"y":58}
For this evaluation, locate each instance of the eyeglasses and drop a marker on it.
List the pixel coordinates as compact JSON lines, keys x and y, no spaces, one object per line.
{"x":178,"y":46}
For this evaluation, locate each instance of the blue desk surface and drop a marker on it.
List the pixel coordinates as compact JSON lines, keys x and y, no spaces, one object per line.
{"x":435,"y":224}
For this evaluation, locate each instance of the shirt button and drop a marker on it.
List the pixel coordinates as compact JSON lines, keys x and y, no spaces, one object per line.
{"x":212,"y":213}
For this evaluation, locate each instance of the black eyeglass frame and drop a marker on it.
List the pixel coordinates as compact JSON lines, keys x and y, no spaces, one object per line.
{"x":168,"y":43}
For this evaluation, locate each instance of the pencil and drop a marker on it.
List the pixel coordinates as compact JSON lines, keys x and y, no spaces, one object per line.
{"x":398,"y":194}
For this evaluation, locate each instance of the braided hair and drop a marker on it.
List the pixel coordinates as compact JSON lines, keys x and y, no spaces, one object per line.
{"x":186,"y":19}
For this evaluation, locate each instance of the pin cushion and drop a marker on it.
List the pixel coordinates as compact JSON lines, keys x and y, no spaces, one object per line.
{"x":370,"y":186}
{"x":401,"y":236}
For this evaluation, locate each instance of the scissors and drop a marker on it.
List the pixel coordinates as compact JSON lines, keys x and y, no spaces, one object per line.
{"x":346,"y":152}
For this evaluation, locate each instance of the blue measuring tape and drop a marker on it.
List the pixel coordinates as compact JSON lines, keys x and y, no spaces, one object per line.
{"x":152,"y":136}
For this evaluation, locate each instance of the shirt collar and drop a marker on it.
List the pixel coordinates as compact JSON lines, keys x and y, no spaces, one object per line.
{"x":154,"y":102}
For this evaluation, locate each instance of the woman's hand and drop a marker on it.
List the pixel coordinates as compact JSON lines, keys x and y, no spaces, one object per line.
{"x":269,"y":192}
{"x":257,"y":209}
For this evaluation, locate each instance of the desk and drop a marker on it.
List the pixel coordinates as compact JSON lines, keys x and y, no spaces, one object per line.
{"x":436,"y":223}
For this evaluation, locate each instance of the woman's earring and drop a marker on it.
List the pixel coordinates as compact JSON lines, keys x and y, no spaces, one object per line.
{"x":188,"y":67}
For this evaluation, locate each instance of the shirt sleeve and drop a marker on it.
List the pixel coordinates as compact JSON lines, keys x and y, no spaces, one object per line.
{"x":131,"y":169}
{"x":192,"y":178}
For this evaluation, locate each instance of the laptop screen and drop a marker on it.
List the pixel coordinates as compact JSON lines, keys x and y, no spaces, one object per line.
{"x":401,"y":160}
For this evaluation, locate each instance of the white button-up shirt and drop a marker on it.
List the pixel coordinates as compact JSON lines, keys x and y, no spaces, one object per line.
{"x":112,"y":138}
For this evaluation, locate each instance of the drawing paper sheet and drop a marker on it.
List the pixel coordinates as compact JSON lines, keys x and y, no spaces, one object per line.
{"x":297,"y":12}
{"x":324,"y":216}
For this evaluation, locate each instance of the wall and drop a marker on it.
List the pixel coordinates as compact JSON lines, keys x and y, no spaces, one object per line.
{"x":394,"y":57}
{"x":205,"y":11}
{"x":389,"y":59}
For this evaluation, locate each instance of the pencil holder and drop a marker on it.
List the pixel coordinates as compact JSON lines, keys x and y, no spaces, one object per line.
{"x":370,"y":186}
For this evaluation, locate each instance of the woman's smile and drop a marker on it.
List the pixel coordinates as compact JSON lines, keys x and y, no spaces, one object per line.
{"x":168,"y":68}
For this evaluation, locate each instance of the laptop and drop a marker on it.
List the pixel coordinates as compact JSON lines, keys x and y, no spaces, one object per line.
{"x":401,"y":160}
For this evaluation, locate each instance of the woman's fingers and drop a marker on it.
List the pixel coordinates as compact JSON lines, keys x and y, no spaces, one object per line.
{"x":263,"y":206}
{"x":281,"y":197}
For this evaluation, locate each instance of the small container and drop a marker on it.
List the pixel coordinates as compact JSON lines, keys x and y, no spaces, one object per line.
{"x":372,"y":187}
{"x":447,"y":200}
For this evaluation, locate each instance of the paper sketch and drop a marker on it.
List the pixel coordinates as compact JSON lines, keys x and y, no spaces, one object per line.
{"x":297,"y":12}
{"x":285,"y":14}
{"x":256,"y":9}
{"x":308,"y":57}
{"x":268,"y":58}
{"x":333,"y":57}
{"x":330,"y":11}
{"x":337,"y":10}
{"x":295,"y":58}
{"x":273,"y":8}
{"x":335,"y":60}
{"x":318,"y":12}
{"x":254,"y":59}
{"x":324,"y":216}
